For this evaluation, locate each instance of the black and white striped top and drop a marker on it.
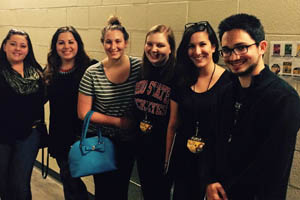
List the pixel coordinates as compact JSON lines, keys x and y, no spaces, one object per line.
{"x":110,"y":98}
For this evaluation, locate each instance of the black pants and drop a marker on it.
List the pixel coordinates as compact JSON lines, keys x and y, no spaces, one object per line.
{"x":74,"y":188}
{"x":189,"y":173}
{"x":150,"y":163}
{"x":114,"y":185}
{"x":188,"y":188}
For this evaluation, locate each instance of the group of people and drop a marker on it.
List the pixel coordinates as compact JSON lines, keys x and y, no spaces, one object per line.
{"x":210,"y":131}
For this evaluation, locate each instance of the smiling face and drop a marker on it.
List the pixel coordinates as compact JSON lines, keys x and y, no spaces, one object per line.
{"x":114,"y":44}
{"x":157,"y":48}
{"x":66,"y":46}
{"x":16,"y":48}
{"x":248,"y":63}
{"x":200,"y":49}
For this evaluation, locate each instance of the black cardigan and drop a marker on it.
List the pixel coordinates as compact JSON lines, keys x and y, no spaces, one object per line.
{"x":258,"y":159}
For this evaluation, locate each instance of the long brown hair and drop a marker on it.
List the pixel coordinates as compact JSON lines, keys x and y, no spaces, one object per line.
{"x":54,"y":61}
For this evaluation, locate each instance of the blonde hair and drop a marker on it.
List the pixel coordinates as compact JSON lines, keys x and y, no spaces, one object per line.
{"x":168,"y":71}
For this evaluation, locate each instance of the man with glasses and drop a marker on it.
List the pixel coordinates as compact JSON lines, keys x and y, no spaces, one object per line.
{"x":259,"y":119}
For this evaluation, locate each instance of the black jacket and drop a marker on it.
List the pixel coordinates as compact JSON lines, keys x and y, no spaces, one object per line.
{"x":254,"y":156}
{"x":18,"y":112}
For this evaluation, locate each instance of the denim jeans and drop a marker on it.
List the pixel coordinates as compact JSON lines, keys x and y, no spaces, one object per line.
{"x":16,"y":166}
{"x":74,"y":188}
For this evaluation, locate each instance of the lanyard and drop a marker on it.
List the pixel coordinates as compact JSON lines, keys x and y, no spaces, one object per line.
{"x":237,"y":107}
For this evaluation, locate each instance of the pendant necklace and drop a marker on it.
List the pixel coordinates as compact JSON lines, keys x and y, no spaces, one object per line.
{"x":146,"y":125}
{"x":195,"y":143}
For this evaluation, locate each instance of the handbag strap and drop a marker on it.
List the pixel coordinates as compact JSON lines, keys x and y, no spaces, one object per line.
{"x":85,"y":124}
{"x":85,"y":127}
{"x":45,"y":168}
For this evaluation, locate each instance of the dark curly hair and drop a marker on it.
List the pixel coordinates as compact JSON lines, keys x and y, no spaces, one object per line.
{"x":54,"y":61}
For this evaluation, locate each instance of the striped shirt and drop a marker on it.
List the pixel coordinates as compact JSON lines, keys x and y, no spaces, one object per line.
{"x":110,"y":98}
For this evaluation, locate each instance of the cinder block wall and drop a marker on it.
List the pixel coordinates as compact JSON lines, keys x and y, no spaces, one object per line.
{"x":40,"y":18}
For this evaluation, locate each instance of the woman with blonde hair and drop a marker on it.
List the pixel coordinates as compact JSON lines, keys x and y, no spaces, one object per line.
{"x":108,"y":89}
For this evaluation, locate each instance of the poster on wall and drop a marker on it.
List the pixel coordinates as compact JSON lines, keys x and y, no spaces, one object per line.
{"x":288,"y":50}
{"x":285,"y":57}
{"x":298,"y":50}
{"x":276,"y":49}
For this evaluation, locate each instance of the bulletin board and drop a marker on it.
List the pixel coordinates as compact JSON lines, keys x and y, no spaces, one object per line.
{"x":285,"y":55}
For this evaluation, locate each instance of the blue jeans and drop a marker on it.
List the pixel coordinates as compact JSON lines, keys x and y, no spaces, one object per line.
{"x":16,"y":166}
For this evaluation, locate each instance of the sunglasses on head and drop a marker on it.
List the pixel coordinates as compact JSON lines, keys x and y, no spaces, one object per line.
{"x":200,"y":25}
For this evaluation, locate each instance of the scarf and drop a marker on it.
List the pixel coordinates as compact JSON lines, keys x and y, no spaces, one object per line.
{"x":22,"y":85}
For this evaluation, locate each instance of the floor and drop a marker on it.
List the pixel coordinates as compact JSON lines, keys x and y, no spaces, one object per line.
{"x":51,"y":189}
{"x":45,"y":189}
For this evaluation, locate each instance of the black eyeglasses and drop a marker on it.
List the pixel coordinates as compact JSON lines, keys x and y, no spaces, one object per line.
{"x":238,"y":50}
{"x":200,"y":25}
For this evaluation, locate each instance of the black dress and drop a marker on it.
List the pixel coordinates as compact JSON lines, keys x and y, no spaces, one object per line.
{"x":65,"y":127}
{"x":190,"y":170}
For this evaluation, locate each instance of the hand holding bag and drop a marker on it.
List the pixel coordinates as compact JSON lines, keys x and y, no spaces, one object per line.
{"x":93,"y":155}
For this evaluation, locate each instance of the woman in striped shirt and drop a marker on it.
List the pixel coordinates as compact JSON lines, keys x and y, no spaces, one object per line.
{"x":108,"y":89}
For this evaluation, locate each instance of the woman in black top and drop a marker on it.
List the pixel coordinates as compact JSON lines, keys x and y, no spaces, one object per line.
{"x":152,"y":97}
{"x":21,"y":105}
{"x":193,"y":108}
{"x":67,"y":62}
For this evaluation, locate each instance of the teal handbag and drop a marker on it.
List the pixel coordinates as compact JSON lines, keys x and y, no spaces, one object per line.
{"x":92,"y":155}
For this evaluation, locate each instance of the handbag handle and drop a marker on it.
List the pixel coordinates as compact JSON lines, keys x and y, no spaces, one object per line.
{"x":87,"y":148}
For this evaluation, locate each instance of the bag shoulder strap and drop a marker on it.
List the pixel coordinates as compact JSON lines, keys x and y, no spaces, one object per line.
{"x":44,"y":167}
{"x":85,"y":124}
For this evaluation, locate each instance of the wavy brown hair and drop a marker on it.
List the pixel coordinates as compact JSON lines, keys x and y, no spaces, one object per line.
{"x":54,"y":61}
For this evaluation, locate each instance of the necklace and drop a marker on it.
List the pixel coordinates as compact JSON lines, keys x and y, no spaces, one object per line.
{"x":66,"y":71}
{"x":211,"y":77}
{"x":196,"y":143}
